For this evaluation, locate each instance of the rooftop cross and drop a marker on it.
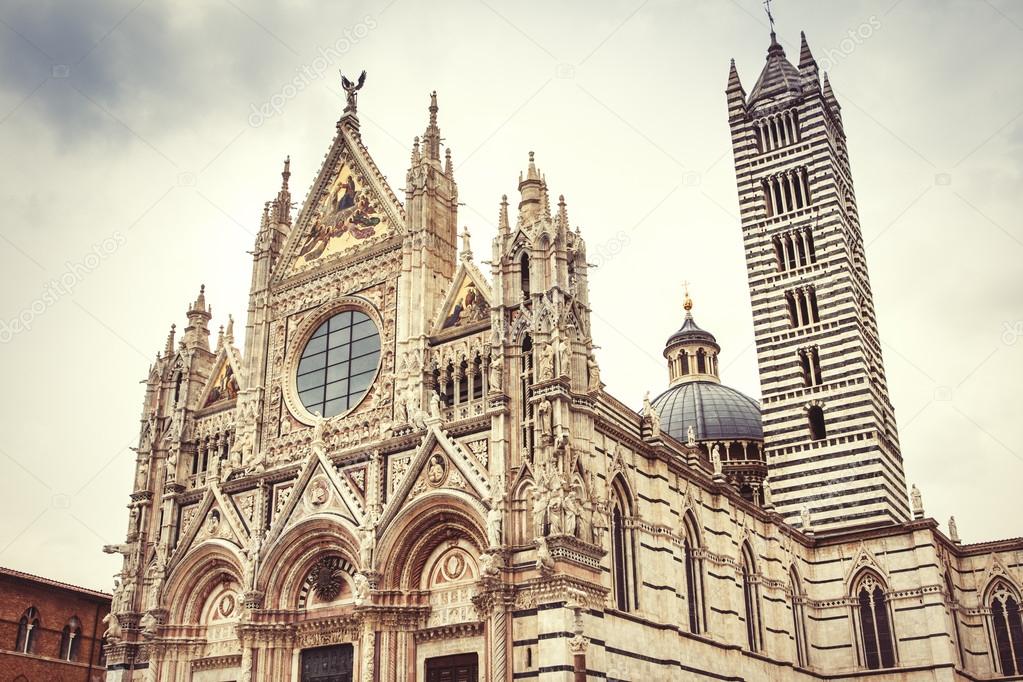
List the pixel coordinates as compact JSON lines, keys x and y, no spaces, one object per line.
{"x":770,"y":19}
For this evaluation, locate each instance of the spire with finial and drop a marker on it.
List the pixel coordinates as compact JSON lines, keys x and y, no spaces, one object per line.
{"x":531,"y":191}
{"x":169,"y":348}
{"x":199,"y":314}
{"x":220,"y":338}
{"x":466,"y":254}
{"x":449,"y":169}
{"x":282,"y":204}
{"x":229,"y":334}
{"x":687,"y":301}
{"x":502,"y":216}
{"x":415,"y":151}
{"x":562,"y":212}
{"x":431,"y":138}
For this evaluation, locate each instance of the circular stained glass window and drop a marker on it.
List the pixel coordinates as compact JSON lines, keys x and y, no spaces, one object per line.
{"x":338,"y":363}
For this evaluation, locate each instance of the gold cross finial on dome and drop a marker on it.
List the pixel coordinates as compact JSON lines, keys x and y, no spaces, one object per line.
{"x":687,"y":302}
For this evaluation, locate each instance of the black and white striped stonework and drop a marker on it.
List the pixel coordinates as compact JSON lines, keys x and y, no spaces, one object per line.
{"x":829,"y":428}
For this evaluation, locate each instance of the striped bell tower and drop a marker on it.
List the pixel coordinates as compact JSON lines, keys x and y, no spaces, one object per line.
{"x":829,"y":427}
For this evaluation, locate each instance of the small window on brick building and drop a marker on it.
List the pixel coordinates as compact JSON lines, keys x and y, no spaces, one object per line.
{"x":28,"y":630}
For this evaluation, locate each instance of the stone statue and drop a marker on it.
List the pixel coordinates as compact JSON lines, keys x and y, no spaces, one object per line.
{"x":715,"y":459}
{"x":213,"y":522}
{"x":953,"y":530}
{"x":572,"y":512}
{"x":319,"y":443}
{"x":142,"y":476}
{"x":252,"y":553}
{"x":691,"y":436}
{"x":149,"y":624}
{"x":133,"y":519}
{"x":652,"y":415}
{"x":917,"y":501}
{"x":435,"y":473}
{"x":367,"y":544}
{"x":539,"y":510}
{"x":488,"y":565}
{"x":804,"y":518}
{"x":593,"y":372}
{"x":555,"y":509}
{"x":113,"y":631}
{"x":495,"y":519}
{"x":544,"y":561}
{"x":435,"y":405}
{"x":768,"y":496}
{"x":351,"y":91}
{"x":544,"y":418}
{"x":360,"y":587}
{"x":214,"y":470}
{"x":496,"y":368}
{"x":564,"y":356}
{"x":546,"y":362}
{"x":599,"y":522}
{"x":172,"y":465}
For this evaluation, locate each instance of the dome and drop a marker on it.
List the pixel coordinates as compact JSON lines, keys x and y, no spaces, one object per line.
{"x":716,"y":412}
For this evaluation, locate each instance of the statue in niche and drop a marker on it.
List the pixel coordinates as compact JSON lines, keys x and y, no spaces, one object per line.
{"x":367,"y":544}
{"x":496,"y":368}
{"x":545,"y":419}
{"x":572,"y":511}
{"x":599,"y":521}
{"x":593,"y":372}
{"x":546,"y":352}
{"x":539,"y":510}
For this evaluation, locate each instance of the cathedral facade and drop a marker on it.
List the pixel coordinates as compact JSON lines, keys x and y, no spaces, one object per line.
{"x":411,"y":471}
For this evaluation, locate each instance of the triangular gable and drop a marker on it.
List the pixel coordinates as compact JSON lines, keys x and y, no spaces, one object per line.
{"x":349,"y":207}
{"x":213,"y":518}
{"x":864,"y":559}
{"x":224,"y":383}
{"x":468,"y":299}
{"x":459,"y":467}
{"x":318,"y":488}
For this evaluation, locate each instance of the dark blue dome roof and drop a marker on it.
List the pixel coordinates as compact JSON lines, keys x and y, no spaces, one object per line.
{"x":716,"y":412}
{"x":691,"y":332}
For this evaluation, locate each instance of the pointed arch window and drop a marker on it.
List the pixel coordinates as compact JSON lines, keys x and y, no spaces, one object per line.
{"x":877,"y":644}
{"x":693,"y":576}
{"x":28,"y":627}
{"x":798,"y":623}
{"x":524,"y":274}
{"x":525,"y":392}
{"x":622,"y":565}
{"x":70,"y":640}
{"x":751,"y":599}
{"x":1006,"y":628}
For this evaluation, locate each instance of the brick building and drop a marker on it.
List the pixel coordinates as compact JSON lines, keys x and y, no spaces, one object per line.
{"x":50,"y":630}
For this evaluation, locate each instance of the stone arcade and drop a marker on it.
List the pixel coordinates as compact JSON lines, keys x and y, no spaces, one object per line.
{"x":411,"y":470}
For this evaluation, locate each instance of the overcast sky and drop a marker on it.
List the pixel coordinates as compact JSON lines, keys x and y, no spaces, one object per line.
{"x":141,"y":139}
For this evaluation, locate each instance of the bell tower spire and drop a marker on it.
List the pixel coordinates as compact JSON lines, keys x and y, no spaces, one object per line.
{"x":826,"y":411}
